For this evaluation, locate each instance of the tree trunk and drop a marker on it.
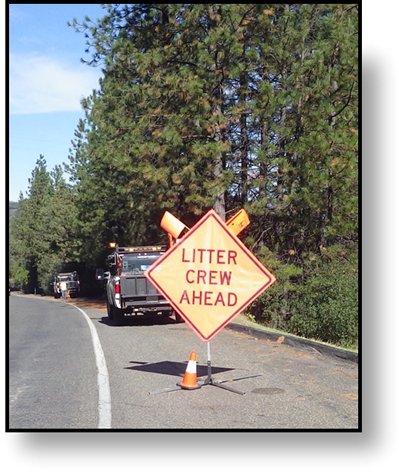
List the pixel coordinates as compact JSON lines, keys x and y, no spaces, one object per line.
{"x":220,"y":203}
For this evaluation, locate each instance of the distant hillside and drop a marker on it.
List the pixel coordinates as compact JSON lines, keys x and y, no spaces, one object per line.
{"x":12,"y":208}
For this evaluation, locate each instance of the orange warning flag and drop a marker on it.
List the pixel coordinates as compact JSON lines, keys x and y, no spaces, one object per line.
{"x":238,"y":222}
{"x":172,"y":225}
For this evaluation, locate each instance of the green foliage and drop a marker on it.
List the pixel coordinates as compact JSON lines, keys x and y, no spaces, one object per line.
{"x":318,"y":302}
{"x":42,"y":232}
{"x":273,"y":307}
{"x":222,"y":105}
{"x":327,"y":305}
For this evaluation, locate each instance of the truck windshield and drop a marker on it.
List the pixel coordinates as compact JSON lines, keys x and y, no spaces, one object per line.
{"x":138,"y":262}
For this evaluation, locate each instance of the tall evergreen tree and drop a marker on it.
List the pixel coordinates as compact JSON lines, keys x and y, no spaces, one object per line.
{"x":157,"y":123}
{"x":224,"y":106}
{"x":43,"y":232}
{"x":304,"y":121}
{"x":26,"y":227}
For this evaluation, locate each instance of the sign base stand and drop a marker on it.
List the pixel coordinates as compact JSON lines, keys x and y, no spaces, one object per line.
{"x":219,"y":383}
{"x":210,"y":381}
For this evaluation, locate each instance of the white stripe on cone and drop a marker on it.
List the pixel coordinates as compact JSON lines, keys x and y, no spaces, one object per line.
{"x":191,"y":367}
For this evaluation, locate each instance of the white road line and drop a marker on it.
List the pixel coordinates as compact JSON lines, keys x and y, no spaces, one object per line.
{"x":104,"y":392}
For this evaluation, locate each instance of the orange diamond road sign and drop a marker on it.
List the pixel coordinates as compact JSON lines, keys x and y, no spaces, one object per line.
{"x":209,"y":276}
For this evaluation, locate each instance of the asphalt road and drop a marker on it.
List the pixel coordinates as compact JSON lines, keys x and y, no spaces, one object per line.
{"x":58,"y":378}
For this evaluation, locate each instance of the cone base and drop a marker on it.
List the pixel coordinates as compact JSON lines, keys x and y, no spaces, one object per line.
{"x":186,"y":387}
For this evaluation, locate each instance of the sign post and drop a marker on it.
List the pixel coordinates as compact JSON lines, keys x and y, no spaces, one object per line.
{"x":209,"y":276}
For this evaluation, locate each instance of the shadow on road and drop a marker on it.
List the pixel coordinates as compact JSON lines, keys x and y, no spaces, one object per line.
{"x":173,"y":368}
{"x":139,"y":321}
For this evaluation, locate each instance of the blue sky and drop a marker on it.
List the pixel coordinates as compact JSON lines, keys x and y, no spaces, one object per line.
{"x":46,"y":83}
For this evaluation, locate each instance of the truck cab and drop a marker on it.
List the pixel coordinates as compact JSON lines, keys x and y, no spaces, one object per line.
{"x":129,"y":292}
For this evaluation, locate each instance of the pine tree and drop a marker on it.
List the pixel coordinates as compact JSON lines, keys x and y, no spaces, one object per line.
{"x":43,"y":232}
{"x":26,"y":228}
{"x":224,"y":106}
{"x":157,"y":124}
{"x":304,"y":115}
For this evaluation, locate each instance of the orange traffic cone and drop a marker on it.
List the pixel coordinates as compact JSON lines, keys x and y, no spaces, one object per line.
{"x":190,"y":377}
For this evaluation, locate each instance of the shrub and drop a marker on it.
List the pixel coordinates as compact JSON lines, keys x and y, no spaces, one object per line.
{"x":326,"y":307}
{"x":273,"y":307}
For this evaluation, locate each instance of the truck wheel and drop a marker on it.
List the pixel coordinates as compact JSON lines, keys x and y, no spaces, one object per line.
{"x":57,"y":295}
{"x":118,"y":315}
{"x":110,"y":311}
{"x":115,"y":314}
{"x":178,"y":318}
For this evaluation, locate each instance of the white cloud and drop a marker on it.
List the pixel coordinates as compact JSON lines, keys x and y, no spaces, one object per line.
{"x":42,"y":84}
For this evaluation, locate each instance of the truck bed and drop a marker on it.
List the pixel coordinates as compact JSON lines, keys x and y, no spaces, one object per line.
{"x":138,"y":292}
{"x":133,"y":285}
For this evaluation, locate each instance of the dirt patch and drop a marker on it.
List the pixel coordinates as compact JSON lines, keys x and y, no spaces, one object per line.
{"x":82,"y":302}
{"x":96,"y":304}
{"x":349,"y":396}
{"x":291,"y":351}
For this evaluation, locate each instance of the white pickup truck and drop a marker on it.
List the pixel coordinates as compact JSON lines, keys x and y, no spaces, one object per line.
{"x":128,"y":290}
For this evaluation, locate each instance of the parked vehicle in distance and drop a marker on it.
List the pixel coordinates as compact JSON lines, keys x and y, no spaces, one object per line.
{"x":72,"y":281}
